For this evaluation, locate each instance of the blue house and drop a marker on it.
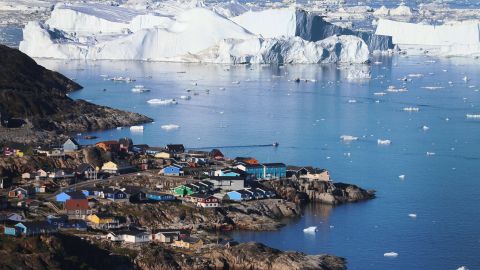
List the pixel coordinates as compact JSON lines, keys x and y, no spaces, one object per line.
{"x":238,"y":195}
{"x":114,"y":194}
{"x":157,"y":196}
{"x":265,"y":171}
{"x":173,"y":170}
{"x":65,"y":196}
{"x":71,"y":145}
{"x":30,"y":228}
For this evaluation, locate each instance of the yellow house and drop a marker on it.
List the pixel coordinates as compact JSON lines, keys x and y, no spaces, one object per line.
{"x":100,"y":219}
{"x":19,"y":153}
{"x":110,"y":167}
{"x":164,"y":155}
{"x":189,"y":243}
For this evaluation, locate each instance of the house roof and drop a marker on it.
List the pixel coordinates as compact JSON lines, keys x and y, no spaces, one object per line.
{"x":176,"y":148}
{"x":84,"y":167}
{"x":227,"y":178}
{"x":274,"y":165}
{"x":75,"y":195}
{"x":190,"y":240}
{"x":73,"y":141}
{"x":77,"y":204}
{"x":158,"y":193}
{"x":35,"y":225}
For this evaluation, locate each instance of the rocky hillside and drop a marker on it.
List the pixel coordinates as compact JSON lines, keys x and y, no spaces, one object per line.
{"x":37,"y":96}
{"x":243,"y":256}
{"x":58,"y":251}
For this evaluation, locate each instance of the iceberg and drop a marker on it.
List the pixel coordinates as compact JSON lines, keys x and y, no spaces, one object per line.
{"x":412,"y":215}
{"x":391,"y":254}
{"x":309,"y":26}
{"x":473,"y":116}
{"x":411,"y":109}
{"x":90,"y":31}
{"x":136,"y":128}
{"x":384,"y":142}
{"x":348,"y":138}
{"x":311,"y":229}
{"x":170,"y":127}
{"x":449,"y":39}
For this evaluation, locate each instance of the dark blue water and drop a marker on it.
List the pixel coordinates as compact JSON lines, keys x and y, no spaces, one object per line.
{"x":307,"y":120}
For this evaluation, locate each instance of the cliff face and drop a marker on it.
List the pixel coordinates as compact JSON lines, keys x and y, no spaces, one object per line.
{"x":37,"y":96}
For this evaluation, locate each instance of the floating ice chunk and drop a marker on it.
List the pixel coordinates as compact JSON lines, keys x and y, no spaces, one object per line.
{"x":136,"y":128}
{"x":119,"y":128}
{"x":348,"y":138}
{"x":466,"y":79}
{"x":140,"y":89}
{"x":384,"y":142}
{"x":379,"y":93}
{"x":390,"y":254}
{"x":401,"y":177}
{"x":159,"y":101}
{"x":352,"y":101}
{"x":311,"y":229}
{"x":462,"y":268}
{"x":433,"y":87}
{"x":331,"y":226}
{"x":415,"y":75}
{"x":170,"y":127}
{"x":412,"y":215}
{"x":425,"y":128}
{"x":430,"y":153}
{"x":235,"y":82}
{"x":393,"y":89}
{"x":411,"y":109}
{"x":473,"y":116}
{"x":185,"y":97}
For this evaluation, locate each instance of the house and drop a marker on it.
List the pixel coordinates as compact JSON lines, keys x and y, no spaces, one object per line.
{"x":114,"y":168}
{"x":205,"y":200}
{"x":29,"y":228}
{"x":77,"y":208}
{"x":157,"y":196}
{"x":175,"y":148}
{"x":315,"y":174}
{"x":166,"y":235}
{"x":232,"y":172}
{"x":61,"y":174}
{"x":11,"y":217}
{"x":130,"y":236}
{"x":135,"y":194}
{"x":71,"y":145}
{"x":114,"y":194}
{"x":126,"y":144}
{"x":86,"y":171}
{"x":189,"y":243}
{"x":172,"y":170}
{"x":183,"y":190}
{"x":21,"y":192}
{"x":42,"y":174}
{"x":109,"y":146}
{"x":163,"y":155}
{"x":239,"y":195}
{"x":65,"y":196}
{"x":228,"y":182}
{"x":105,"y":221}
{"x":265,"y":170}
{"x":216,"y":154}
{"x":29,"y":175}
{"x":62,"y":222}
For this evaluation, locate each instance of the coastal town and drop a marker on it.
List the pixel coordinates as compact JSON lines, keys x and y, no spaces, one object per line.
{"x":89,"y":190}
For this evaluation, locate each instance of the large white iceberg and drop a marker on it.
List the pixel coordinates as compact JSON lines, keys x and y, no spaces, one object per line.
{"x":451,"y":39}
{"x":194,"y":35}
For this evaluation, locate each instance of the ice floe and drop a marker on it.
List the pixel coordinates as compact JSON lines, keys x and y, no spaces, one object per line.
{"x":384,"y":142}
{"x":311,"y":229}
{"x":160,"y":101}
{"x":170,"y":127}
{"x":136,"y":128}
{"x":391,"y":254}
{"x":412,"y":215}
{"x":348,"y":138}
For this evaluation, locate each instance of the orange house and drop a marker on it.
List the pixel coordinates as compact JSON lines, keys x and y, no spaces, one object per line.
{"x":109,"y":146}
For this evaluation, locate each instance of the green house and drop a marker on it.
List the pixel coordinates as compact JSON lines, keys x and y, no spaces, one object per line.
{"x":184,"y":190}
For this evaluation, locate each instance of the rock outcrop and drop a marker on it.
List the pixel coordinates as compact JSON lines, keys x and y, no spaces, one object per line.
{"x":243,"y":256}
{"x":301,"y":191}
{"x":36,"y":98}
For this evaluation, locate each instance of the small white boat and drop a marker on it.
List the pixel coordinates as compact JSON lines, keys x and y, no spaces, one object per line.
{"x":348,"y":138}
{"x":411,"y":109}
{"x":311,"y":229}
{"x":384,"y":142}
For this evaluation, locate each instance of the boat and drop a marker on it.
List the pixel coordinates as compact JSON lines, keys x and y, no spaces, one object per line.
{"x":275,"y":144}
{"x":140,"y":89}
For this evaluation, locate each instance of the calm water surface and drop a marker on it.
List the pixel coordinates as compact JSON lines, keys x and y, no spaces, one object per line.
{"x":307,"y":120}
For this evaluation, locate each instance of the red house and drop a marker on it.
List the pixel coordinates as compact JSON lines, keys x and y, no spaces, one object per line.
{"x":77,"y":208}
{"x":205,"y":200}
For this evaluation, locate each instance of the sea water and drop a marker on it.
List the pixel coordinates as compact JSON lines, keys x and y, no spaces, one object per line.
{"x":261,"y":104}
